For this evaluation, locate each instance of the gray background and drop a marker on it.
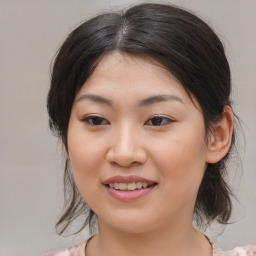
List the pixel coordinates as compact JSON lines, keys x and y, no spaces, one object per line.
{"x":31,"y":163}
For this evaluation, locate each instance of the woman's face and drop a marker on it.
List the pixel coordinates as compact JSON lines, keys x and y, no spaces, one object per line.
{"x":136,"y":145}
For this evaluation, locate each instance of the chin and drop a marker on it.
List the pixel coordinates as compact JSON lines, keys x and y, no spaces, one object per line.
{"x":130,"y":224}
{"x":133,"y":229}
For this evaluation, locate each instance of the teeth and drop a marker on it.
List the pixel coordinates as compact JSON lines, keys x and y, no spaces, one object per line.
{"x":144,"y":185}
{"x":122,"y":186}
{"x":131,"y":186}
{"x":128,"y":186}
{"x":139,"y":185}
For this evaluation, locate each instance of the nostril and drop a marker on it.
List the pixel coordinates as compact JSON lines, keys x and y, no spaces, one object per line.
{"x":126,"y":158}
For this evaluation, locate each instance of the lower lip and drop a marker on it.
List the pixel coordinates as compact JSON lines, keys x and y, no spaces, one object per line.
{"x":127,"y":195}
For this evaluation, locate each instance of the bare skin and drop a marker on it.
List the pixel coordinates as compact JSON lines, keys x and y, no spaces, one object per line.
{"x":193,"y":243}
{"x":132,"y":117}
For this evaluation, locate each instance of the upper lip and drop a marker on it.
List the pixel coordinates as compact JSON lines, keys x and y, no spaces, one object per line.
{"x":127,"y":179}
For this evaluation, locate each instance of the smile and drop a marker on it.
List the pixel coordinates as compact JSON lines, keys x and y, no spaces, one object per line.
{"x":129,"y":186}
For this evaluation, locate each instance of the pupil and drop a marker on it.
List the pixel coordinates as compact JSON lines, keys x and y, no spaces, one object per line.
{"x":96,"y":120}
{"x":157,"y":120}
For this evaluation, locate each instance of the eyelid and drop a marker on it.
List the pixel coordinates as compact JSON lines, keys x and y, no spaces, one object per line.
{"x":88,"y":119}
{"x":169,"y":120}
{"x":91,"y":116}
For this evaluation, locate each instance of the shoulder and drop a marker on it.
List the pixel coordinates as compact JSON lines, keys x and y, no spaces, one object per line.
{"x":77,"y":250}
{"x":248,"y":250}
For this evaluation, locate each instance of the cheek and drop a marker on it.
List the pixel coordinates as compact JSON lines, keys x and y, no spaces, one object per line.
{"x":85,"y":167}
{"x":181,"y":161}
{"x":85,"y":158}
{"x":84,"y":148}
{"x":79,"y":154}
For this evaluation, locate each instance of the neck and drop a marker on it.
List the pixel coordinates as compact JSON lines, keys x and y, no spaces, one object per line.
{"x":167,"y":241}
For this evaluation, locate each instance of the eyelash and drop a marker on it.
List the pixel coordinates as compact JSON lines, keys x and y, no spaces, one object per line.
{"x":167,"y":120}
{"x":90,"y":120}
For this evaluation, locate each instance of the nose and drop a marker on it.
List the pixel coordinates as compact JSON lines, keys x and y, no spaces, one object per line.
{"x":126,"y":148}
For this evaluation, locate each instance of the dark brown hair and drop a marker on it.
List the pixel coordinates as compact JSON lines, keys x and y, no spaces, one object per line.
{"x":178,"y":40}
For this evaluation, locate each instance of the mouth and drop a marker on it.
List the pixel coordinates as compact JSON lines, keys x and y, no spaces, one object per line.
{"x":129,"y":188}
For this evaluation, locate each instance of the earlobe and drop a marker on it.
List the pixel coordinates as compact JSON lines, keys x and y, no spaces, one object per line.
{"x":221,"y":136}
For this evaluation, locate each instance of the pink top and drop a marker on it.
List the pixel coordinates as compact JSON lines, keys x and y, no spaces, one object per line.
{"x":79,"y":250}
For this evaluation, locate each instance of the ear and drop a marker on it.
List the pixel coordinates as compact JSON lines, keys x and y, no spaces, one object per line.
{"x":220,"y":137}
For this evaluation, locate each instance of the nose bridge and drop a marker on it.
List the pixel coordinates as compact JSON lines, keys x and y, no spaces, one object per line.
{"x":125,"y":138}
{"x":126,"y":146}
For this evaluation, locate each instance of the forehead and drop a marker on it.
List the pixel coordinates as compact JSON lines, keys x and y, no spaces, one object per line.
{"x":118,"y":72}
{"x":118,"y":63}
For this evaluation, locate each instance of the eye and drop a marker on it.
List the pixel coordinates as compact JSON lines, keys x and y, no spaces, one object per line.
{"x":95,"y":120}
{"x":159,"y":121}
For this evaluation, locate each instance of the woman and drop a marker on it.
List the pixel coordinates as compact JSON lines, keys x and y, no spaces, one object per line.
{"x":141,"y":102}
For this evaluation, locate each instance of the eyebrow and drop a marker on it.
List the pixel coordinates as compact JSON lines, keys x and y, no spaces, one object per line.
{"x":95,"y":98}
{"x":159,"y":98}
{"x":145,"y":102}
